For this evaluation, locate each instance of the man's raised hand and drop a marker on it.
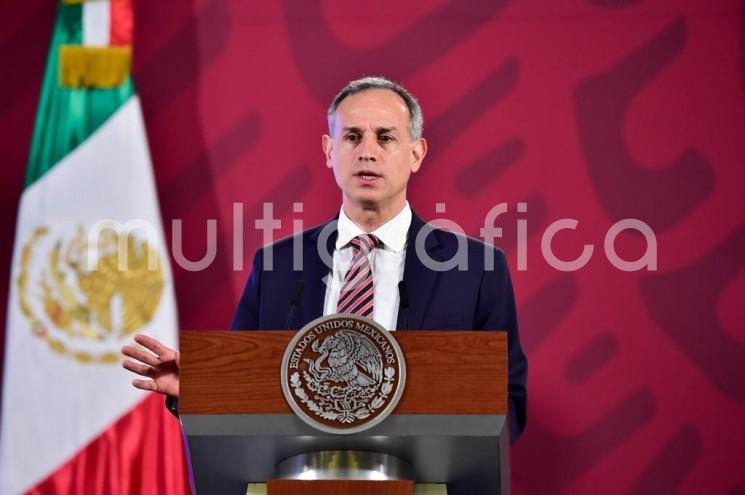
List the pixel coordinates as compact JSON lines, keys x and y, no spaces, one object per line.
{"x":160,"y":366}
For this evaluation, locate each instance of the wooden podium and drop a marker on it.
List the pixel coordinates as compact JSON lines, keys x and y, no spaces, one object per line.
{"x":450,"y":424}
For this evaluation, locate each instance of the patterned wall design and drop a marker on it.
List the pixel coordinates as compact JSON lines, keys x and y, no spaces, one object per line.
{"x":596,"y":110}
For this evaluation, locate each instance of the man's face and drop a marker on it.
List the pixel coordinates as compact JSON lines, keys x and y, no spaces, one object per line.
{"x":371,"y":152}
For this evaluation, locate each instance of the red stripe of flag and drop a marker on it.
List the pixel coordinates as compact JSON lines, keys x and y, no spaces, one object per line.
{"x":121,"y":23}
{"x":142,"y":452}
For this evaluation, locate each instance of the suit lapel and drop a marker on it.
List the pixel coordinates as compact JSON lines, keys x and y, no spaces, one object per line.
{"x":419,"y":279}
{"x":315,"y":270}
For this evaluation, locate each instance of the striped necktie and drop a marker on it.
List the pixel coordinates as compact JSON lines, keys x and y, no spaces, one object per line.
{"x":356,"y":296}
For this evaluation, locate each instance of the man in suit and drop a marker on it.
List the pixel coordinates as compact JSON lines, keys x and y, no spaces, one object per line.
{"x":377,"y":258}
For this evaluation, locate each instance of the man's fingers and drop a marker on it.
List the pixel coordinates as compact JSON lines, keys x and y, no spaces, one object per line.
{"x":145,"y":385}
{"x":138,"y":368}
{"x":140,"y":355}
{"x":154,"y":345}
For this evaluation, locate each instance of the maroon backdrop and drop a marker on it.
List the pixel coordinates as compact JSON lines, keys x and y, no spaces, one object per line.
{"x":596,"y":110}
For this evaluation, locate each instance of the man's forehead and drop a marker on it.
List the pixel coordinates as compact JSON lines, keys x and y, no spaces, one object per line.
{"x":378,"y":101}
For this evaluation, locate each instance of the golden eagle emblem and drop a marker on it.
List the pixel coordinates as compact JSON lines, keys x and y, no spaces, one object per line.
{"x":79,"y":304}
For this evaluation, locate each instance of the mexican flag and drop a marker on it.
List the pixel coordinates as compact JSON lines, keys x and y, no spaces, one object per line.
{"x":89,"y":270}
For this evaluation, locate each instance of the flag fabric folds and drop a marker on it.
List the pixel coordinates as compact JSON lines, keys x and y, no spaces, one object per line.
{"x":90,"y":269}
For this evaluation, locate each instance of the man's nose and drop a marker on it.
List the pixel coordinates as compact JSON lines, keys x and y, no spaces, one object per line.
{"x":368,"y":149}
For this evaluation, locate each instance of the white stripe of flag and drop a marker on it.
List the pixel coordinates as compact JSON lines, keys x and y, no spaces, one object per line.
{"x":96,"y":22}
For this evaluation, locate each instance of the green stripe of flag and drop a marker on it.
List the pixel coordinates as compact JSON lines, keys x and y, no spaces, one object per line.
{"x":68,"y":116}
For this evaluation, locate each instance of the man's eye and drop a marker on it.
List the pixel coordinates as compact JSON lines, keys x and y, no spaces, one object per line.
{"x":352,"y":138}
{"x":386,"y":138}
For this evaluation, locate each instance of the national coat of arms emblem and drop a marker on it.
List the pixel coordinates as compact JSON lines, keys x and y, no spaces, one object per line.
{"x":343,"y":373}
{"x":84,"y":311}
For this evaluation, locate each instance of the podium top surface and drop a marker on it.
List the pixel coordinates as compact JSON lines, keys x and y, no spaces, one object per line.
{"x":448,"y":372}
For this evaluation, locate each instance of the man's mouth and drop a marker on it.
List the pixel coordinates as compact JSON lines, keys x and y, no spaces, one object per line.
{"x":367,"y":175}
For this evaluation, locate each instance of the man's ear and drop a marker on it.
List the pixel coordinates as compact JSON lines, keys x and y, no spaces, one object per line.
{"x":328,"y":145}
{"x":418,"y":151}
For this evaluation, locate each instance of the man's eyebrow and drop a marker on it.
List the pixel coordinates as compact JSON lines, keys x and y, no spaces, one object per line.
{"x":381,"y":130}
{"x":378,"y":130}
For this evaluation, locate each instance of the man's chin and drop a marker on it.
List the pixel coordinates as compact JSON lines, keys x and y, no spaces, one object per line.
{"x":366,"y":203}
{"x":366,"y":197}
{"x":369,"y":203}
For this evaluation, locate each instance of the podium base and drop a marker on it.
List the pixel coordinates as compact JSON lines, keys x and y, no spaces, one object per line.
{"x":340,"y":487}
{"x":419,"y":489}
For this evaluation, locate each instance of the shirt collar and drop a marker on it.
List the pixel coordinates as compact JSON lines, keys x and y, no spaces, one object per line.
{"x":392,"y":233}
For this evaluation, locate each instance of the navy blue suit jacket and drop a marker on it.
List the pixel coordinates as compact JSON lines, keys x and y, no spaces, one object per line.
{"x":472,"y":299}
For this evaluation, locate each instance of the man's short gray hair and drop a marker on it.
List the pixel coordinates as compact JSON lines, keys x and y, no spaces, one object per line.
{"x":416,"y":120}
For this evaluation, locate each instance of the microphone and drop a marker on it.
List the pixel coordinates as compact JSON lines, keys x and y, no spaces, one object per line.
{"x":296,"y":295}
{"x":403,"y":298}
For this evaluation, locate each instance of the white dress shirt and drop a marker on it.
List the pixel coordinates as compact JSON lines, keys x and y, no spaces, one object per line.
{"x":387,"y":261}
